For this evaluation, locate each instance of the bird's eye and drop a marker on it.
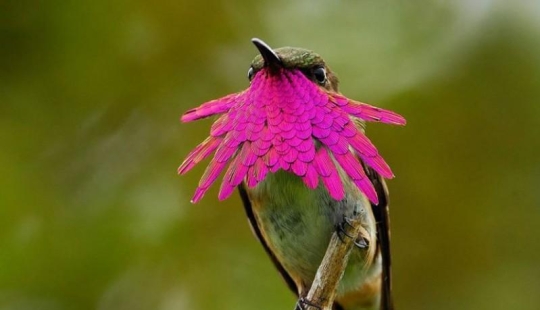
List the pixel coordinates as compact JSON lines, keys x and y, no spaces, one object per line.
{"x":251,"y":72}
{"x":320,"y":75}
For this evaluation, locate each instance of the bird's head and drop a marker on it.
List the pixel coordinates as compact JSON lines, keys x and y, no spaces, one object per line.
{"x":291,"y":118}
{"x":274,"y":62}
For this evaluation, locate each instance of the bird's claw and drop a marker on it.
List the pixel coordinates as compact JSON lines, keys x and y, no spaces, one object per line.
{"x":360,"y":242}
{"x":303,"y":304}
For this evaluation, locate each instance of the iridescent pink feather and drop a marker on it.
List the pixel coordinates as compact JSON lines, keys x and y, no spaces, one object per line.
{"x":285,"y":121}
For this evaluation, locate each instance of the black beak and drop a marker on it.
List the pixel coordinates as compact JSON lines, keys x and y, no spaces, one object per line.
{"x":271,"y":59}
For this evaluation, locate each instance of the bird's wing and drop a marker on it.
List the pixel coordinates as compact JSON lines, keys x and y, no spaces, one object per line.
{"x":257,"y":232}
{"x":382,"y":217}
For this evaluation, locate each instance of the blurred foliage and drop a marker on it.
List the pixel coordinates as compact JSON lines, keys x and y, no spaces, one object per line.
{"x":93,"y":215}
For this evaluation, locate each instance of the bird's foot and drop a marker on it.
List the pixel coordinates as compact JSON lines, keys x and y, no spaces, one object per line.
{"x":360,"y":242}
{"x":303,"y":304}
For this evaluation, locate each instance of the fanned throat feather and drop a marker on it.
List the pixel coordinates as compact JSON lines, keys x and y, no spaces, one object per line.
{"x":285,"y":121}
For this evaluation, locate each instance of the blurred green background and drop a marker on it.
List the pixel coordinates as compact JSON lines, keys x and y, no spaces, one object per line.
{"x":93,"y":215}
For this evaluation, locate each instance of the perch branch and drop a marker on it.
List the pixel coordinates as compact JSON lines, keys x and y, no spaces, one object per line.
{"x":332,"y":267}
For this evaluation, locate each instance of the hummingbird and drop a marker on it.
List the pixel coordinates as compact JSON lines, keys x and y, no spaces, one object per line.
{"x":295,"y":149}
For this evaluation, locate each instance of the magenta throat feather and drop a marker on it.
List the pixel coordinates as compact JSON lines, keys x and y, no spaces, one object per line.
{"x":285,"y":121}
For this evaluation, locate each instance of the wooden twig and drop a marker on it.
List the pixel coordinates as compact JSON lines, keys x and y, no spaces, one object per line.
{"x":332,"y":267}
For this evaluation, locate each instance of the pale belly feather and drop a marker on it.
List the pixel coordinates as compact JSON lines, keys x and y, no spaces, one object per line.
{"x":298,"y":223}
